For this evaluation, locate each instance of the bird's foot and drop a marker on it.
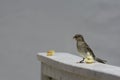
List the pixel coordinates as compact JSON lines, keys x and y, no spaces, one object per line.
{"x":82,"y":61}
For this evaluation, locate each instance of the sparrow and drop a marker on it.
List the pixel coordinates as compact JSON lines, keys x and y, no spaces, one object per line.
{"x":84,"y":49}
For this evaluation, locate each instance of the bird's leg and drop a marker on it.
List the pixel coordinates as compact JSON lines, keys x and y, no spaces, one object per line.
{"x":82,"y":60}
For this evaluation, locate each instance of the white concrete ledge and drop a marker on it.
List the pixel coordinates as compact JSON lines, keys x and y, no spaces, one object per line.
{"x":63,"y":66}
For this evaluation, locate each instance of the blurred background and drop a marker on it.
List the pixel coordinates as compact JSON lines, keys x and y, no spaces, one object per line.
{"x":28,"y":27}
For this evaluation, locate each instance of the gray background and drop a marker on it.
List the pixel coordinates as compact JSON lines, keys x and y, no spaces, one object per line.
{"x":31,"y":26}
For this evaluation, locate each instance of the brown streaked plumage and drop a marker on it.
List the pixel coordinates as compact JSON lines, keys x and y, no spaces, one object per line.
{"x":83,"y":48}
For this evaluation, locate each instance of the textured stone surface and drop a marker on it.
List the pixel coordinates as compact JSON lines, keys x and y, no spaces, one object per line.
{"x":63,"y":66}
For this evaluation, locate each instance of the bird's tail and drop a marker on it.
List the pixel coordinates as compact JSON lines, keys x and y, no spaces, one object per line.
{"x":100,"y":60}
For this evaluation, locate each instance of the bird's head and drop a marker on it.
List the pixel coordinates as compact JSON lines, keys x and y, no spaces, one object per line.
{"x":78,"y":37}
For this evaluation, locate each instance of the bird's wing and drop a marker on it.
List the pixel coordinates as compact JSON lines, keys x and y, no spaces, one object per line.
{"x":89,"y":49}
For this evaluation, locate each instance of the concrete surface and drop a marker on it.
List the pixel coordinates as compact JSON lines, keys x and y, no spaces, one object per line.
{"x":64,"y":66}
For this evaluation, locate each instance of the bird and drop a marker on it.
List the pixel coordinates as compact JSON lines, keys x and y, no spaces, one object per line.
{"x":83,"y":49}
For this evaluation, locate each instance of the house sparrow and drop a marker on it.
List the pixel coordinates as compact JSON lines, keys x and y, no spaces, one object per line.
{"x":83,"y":49}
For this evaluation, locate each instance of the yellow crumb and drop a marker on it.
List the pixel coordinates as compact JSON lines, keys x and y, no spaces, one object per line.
{"x":50,"y":52}
{"x":89,"y":59}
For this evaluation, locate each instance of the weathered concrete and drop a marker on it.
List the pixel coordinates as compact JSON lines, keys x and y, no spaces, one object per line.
{"x":63,"y":66}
